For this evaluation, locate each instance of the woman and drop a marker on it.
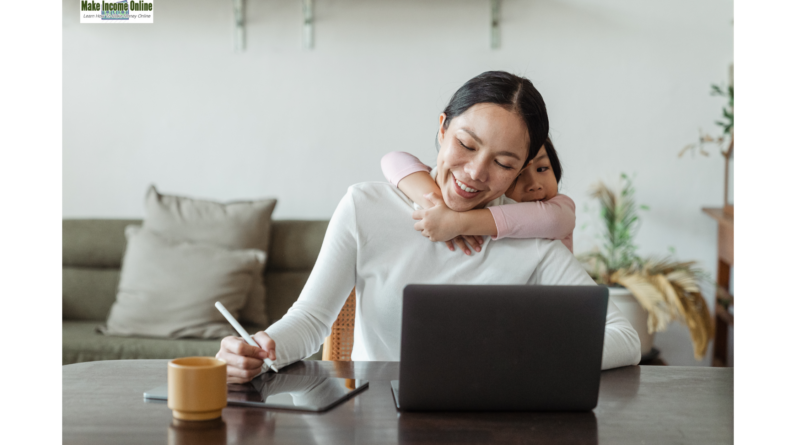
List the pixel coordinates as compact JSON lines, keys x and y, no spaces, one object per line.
{"x":492,"y":127}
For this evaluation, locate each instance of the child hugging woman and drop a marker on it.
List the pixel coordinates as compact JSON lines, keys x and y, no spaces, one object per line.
{"x":540,"y":211}
{"x":492,"y":128}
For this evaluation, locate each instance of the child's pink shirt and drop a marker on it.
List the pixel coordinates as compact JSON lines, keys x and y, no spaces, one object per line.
{"x":551,"y":219}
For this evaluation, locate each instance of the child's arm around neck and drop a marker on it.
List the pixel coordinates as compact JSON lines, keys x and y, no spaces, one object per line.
{"x":551,"y":219}
{"x":412,"y":177}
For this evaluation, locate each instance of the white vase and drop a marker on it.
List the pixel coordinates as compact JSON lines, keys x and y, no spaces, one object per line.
{"x":635,"y":314}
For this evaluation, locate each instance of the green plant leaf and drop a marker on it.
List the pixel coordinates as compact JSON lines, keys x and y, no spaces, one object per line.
{"x":619,"y":215}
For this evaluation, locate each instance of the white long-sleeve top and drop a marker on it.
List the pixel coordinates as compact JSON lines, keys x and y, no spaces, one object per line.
{"x":371,"y":243}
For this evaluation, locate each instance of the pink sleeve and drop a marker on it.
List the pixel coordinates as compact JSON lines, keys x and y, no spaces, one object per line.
{"x":552,"y":219}
{"x":397,"y":165}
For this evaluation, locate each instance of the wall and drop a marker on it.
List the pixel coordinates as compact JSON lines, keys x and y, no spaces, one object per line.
{"x":626,"y":84}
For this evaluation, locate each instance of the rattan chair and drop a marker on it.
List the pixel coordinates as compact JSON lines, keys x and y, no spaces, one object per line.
{"x":340,"y":343}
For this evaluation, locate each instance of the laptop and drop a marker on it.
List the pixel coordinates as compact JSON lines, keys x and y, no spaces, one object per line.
{"x":501,"y":348}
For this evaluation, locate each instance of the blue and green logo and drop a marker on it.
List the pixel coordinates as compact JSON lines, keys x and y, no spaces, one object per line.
{"x":115,"y":11}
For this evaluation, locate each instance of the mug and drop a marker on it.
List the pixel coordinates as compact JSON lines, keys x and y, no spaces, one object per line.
{"x":197,"y":388}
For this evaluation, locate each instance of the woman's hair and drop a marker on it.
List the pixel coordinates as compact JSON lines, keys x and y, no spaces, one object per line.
{"x":515,"y":93}
{"x":555,"y":164}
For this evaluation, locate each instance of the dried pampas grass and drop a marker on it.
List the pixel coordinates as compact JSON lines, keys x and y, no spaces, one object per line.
{"x":667,"y":289}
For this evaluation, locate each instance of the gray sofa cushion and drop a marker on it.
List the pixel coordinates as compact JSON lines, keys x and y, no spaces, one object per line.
{"x":231,"y":225}
{"x":97,"y":243}
{"x":88,"y":293}
{"x":168,"y":287}
{"x":295,"y":245}
{"x":82,"y":343}
{"x":288,"y":286}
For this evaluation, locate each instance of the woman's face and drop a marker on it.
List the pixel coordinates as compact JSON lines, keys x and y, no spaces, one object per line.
{"x":537,"y":182}
{"x":481,"y":153}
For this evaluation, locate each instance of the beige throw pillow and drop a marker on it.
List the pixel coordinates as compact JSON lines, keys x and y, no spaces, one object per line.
{"x":168,"y":288}
{"x":234,"y":225}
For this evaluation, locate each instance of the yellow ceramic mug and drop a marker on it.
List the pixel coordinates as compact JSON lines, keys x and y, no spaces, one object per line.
{"x":197,"y":388}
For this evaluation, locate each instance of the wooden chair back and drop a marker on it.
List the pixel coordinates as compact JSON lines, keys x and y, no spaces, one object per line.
{"x":340,"y":343}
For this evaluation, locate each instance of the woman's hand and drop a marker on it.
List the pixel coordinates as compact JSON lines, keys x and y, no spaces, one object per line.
{"x":463,"y":240}
{"x":439,"y":223}
{"x":245,"y":361}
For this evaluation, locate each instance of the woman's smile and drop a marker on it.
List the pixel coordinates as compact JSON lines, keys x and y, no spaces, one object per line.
{"x":463,"y":189}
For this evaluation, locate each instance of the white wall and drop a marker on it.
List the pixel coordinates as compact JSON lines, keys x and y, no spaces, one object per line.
{"x":626,"y":85}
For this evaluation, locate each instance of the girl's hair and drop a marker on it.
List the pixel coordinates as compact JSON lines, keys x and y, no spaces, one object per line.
{"x":555,"y":164}
{"x":514,"y":93}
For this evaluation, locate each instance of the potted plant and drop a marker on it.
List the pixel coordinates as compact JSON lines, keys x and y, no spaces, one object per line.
{"x":725,"y":141}
{"x":651,"y":292}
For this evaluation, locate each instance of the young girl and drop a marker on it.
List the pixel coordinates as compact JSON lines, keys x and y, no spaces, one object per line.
{"x":540,"y":211}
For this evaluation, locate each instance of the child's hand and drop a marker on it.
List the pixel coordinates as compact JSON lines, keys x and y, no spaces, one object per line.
{"x":439,"y":223}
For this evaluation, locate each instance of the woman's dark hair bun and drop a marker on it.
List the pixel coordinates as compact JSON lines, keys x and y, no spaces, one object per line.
{"x":513,"y":92}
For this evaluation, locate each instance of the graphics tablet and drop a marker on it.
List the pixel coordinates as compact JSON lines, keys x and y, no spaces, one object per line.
{"x":282,"y":391}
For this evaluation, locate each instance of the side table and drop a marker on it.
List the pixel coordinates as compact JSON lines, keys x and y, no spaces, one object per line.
{"x":724,"y":299}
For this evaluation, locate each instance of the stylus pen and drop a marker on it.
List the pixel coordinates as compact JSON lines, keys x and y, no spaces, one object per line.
{"x":268,"y":363}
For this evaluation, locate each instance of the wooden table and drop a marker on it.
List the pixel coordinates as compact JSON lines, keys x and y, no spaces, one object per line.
{"x":103,"y":403}
{"x":724,"y":319}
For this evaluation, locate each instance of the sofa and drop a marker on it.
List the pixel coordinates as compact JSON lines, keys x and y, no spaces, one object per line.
{"x":92,"y":257}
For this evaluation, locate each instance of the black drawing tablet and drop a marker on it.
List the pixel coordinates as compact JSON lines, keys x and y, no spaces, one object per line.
{"x":282,"y":391}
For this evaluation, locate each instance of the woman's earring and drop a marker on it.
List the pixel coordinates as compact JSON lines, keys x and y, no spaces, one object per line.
{"x":436,"y":139}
